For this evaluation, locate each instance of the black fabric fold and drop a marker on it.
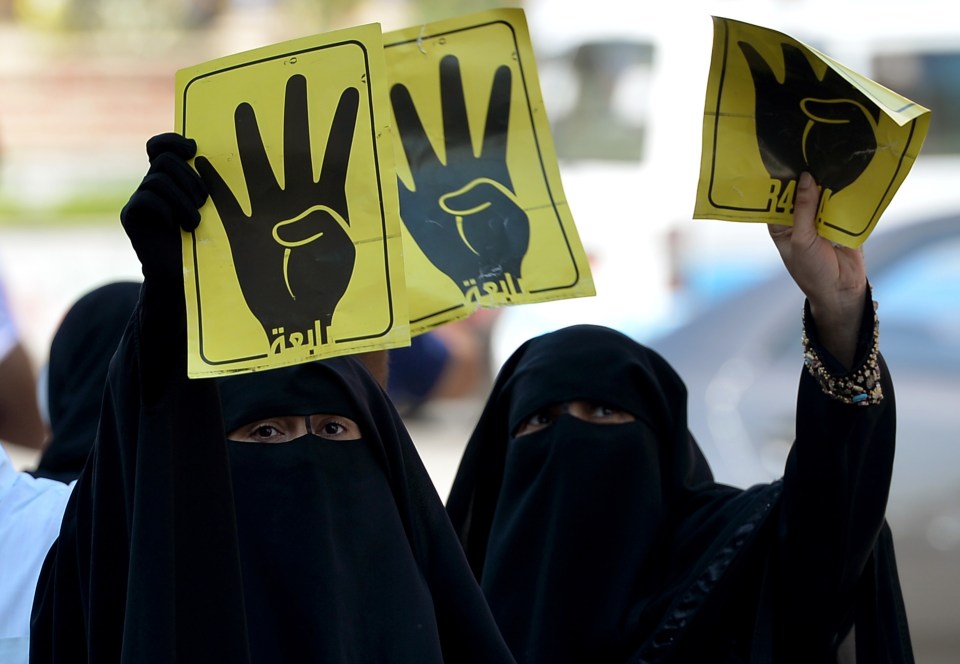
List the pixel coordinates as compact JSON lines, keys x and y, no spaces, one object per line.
{"x":714,"y":574}
{"x":178,"y":545}
{"x":80,"y":353}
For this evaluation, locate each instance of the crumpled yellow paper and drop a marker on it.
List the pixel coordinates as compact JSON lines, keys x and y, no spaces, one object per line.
{"x":776,"y":107}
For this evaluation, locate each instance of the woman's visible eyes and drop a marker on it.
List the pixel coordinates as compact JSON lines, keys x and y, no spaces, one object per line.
{"x":601,"y":410}
{"x":599,"y":413}
{"x":334,"y":427}
{"x":539,"y":420}
{"x":588,"y":411}
{"x":273,"y":430}
{"x":267,"y":431}
{"x":285,"y":428}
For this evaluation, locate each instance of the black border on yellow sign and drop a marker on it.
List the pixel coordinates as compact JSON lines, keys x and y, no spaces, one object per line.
{"x":383,"y":218}
{"x":713,"y":163}
{"x":536,"y":138}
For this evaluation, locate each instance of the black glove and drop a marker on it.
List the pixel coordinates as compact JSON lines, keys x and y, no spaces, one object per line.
{"x":167,"y":200}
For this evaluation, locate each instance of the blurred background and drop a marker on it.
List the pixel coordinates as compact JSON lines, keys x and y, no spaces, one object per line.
{"x":84,"y":83}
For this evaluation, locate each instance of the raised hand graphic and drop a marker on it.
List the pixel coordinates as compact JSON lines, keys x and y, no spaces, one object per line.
{"x":293,"y":254}
{"x":463,"y":211}
{"x":805,"y":123}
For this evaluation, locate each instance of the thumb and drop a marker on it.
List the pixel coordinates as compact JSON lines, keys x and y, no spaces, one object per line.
{"x":805,"y":210}
{"x":307,"y":226}
{"x":475,"y":197}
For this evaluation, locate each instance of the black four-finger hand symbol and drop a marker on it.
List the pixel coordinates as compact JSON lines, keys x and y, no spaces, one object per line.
{"x":805,"y":123}
{"x":293,"y":254}
{"x":463,"y":211}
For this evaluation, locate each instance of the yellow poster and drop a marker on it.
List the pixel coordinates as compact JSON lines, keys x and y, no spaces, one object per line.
{"x":485,"y":220}
{"x":298,"y":254}
{"x":775,"y":108}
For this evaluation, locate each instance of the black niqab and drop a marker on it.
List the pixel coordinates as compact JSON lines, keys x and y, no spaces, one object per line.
{"x":80,"y":353}
{"x":328,"y":568}
{"x":178,"y":545}
{"x":564,"y":542}
{"x":612,"y":543}
{"x":584,"y":362}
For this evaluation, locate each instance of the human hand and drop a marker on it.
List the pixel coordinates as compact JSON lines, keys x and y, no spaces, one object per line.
{"x":463,"y":212}
{"x":833,"y":277}
{"x":168,"y":199}
{"x":808,"y":124}
{"x":293,"y":254}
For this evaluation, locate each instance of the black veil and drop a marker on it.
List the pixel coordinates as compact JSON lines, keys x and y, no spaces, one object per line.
{"x":694,"y":571}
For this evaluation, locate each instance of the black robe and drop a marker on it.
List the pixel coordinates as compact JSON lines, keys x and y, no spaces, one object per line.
{"x":76,"y":373}
{"x":178,"y":545}
{"x":614,"y":544}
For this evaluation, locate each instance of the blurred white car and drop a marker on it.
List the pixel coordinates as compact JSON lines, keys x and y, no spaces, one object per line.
{"x":624,"y":90}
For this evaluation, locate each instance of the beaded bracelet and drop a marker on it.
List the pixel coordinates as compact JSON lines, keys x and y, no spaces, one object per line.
{"x":861,"y":387}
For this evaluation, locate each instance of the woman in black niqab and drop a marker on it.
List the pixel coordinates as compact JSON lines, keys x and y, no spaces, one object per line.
{"x":571,"y":528}
{"x":345,"y":550}
{"x":181,"y":545}
{"x":76,"y":372}
{"x":607,"y":540}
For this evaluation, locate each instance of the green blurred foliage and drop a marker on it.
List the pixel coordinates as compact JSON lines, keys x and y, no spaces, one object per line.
{"x":145,"y":31}
{"x":102,"y":207}
{"x":110,"y":14}
{"x":114,"y":14}
{"x":433,"y":10}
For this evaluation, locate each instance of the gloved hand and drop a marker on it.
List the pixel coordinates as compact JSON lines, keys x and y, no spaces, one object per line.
{"x":168,"y":199}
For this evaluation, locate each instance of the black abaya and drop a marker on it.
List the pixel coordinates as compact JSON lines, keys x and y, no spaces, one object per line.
{"x":76,"y":373}
{"x":612,"y":543}
{"x":178,"y":545}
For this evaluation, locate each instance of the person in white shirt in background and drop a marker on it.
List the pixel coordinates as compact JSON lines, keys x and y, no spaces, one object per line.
{"x":30,"y":509}
{"x":30,"y":514}
{"x":32,"y":504}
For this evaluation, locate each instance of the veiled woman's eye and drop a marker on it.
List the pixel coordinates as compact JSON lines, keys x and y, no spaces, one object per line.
{"x":334,"y":427}
{"x":599,"y":413}
{"x":599,"y":410}
{"x":266,"y":431}
{"x":541,"y":419}
{"x":272,"y":430}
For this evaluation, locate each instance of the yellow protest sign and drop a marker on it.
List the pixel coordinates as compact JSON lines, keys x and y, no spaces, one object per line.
{"x":298,"y":253}
{"x":776,"y":107}
{"x":485,"y":219}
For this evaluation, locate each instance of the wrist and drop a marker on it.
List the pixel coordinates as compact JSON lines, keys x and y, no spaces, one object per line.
{"x":841,"y":309}
{"x":840,"y":330}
